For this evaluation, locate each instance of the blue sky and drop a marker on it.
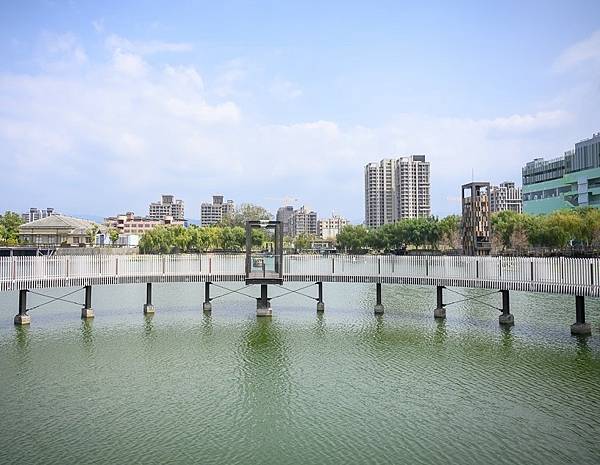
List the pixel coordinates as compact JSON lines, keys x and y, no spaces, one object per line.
{"x":103,"y":107}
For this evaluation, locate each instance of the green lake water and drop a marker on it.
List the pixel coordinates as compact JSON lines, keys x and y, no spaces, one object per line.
{"x":343,"y":387}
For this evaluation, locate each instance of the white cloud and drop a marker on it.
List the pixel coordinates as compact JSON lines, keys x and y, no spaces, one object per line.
{"x":61,"y":51}
{"x":232,"y":73}
{"x":98,"y":25}
{"x":141,"y":128}
{"x":284,"y":90}
{"x":585,"y":51}
{"x":115,"y":42}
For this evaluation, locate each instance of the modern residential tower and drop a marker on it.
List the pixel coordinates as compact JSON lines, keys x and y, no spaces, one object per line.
{"x":397,"y":189}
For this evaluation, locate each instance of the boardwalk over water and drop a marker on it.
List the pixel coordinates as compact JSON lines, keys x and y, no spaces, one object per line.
{"x":561,"y":275}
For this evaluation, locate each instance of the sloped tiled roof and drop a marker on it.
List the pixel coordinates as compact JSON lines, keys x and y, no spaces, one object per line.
{"x":77,"y":225}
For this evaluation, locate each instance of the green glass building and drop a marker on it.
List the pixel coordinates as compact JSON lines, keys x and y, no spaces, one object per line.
{"x":570,"y":181}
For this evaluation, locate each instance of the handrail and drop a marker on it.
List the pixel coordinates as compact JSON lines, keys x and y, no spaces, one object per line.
{"x":54,"y":271}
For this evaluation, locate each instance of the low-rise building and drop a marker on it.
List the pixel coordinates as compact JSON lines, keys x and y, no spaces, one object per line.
{"x":129,"y":223}
{"x":329,"y":228}
{"x":59,"y":230}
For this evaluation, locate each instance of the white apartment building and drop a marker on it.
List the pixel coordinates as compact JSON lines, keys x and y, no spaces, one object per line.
{"x":329,"y":228}
{"x":303,"y":221}
{"x":212,"y":213}
{"x":397,"y":189}
{"x":506,"y":197}
{"x":168,"y":206}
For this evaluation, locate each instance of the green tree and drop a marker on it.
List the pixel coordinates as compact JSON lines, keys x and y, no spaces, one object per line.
{"x":303,"y":241}
{"x":353,"y":239}
{"x":450,"y":231}
{"x":113,"y":235}
{"x":92,"y":232}
{"x":245,"y":212}
{"x":9,"y":228}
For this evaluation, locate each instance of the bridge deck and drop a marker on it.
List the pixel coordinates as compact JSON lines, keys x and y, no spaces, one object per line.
{"x":574,"y":276}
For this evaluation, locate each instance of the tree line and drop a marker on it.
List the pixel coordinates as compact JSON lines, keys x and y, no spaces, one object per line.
{"x":557,"y":230}
{"x":177,"y":239}
{"x":395,"y":237}
{"x":510,"y":231}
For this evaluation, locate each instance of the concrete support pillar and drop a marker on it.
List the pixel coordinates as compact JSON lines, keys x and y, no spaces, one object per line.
{"x":506,"y":318}
{"x":263,"y":303}
{"x":22,"y":318}
{"x":580,"y":327}
{"x":87,"y":311}
{"x":440,"y":310}
{"x":207,"y":306}
{"x":148,"y":307}
{"x":378,"y":304}
{"x":320,"y":303}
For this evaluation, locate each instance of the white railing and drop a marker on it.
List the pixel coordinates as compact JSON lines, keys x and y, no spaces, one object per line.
{"x":53,"y":271}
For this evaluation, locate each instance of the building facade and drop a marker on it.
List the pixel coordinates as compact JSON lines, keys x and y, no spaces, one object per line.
{"x":397,"y":189}
{"x":506,"y":197}
{"x":212,"y":213}
{"x":129,"y":223}
{"x":570,"y":181}
{"x":329,"y":228}
{"x":475,"y":223}
{"x":284,"y":214}
{"x":59,"y":230}
{"x":168,"y":206}
{"x":36,"y":214}
{"x":303,"y":221}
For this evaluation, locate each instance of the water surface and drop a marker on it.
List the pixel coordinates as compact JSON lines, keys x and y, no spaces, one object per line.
{"x":343,"y":387}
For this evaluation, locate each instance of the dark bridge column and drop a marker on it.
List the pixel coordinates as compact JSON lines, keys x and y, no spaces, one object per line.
{"x":378,"y":304}
{"x":580,"y":327}
{"x":506,"y":318}
{"x":22,"y":318}
{"x":263,"y":303}
{"x":440,"y":310}
{"x":320,"y":303}
{"x":207,"y":306}
{"x":87,"y":311}
{"x":148,"y":307}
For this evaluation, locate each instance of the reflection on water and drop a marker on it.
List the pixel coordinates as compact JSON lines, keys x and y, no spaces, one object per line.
{"x":441,"y":333}
{"x":87,"y":335}
{"x":22,"y":342}
{"x":506,"y":338}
